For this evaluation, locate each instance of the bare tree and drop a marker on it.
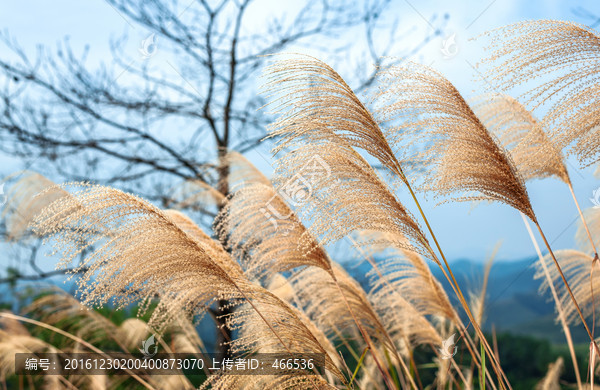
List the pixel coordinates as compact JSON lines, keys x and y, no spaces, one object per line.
{"x":145,"y":129}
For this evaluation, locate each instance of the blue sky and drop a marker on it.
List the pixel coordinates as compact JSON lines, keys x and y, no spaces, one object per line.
{"x":464,"y":231}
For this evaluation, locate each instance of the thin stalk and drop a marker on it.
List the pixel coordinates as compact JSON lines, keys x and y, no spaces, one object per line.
{"x":365,"y":336}
{"x":458,"y":292}
{"x":564,"y":279}
{"x":391,"y":368}
{"x":413,"y":364}
{"x":457,"y":319}
{"x":353,"y":353}
{"x":587,"y":230}
{"x":559,"y":308}
{"x":471,"y":347}
{"x":592,"y":366}
{"x":470,"y":343}
{"x":583,"y":221}
{"x":360,"y":362}
{"x":454,"y":364}
{"x":482,"y":380}
{"x":495,"y":342}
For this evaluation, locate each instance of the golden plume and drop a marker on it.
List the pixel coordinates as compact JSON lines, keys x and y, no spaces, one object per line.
{"x":329,"y":310}
{"x":264,"y":233}
{"x":314,"y":102}
{"x":197,"y":195}
{"x":519,"y":131}
{"x":243,"y":171}
{"x":321,"y":122}
{"x":405,"y":273}
{"x":346,"y":195}
{"x":576,"y":266}
{"x":275,"y":240}
{"x":568,"y":55}
{"x":256,"y":333}
{"x":56,"y":307}
{"x":426,"y":111}
{"x":149,"y":255}
{"x":592,"y":218}
{"x":25,"y":198}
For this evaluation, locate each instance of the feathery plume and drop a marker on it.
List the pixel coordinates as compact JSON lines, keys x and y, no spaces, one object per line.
{"x":328,"y":308}
{"x":286,"y":322}
{"x":147,"y":254}
{"x":264,"y":233}
{"x":568,"y":55}
{"x":314,"y":102}
{"x":212,"y":247}
{"x":150,"y":254}
{"x":243,"y":171}
{"x":532,"y":150}
{"x":462,"y":156}
{"x":351,"y":197}
{"x":592,"y":218}
{"x":25,"y":199}
{"x":405,"y":273}
{"x":576,"y":266}
{"x":56,"y":307}
{"x":197,"y":195}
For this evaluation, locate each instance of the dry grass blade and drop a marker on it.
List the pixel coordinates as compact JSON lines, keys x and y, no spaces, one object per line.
{"x":22,"y":341}
{"x":552,"y":379}
{"x":592,"y":217}
{"x":11,"y":344}
{"x":568,"y":55}
{"x":576,"y":266}
{"x":424,"y":110}
{"x":313,"y":101}
{"x":532,"y":150}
